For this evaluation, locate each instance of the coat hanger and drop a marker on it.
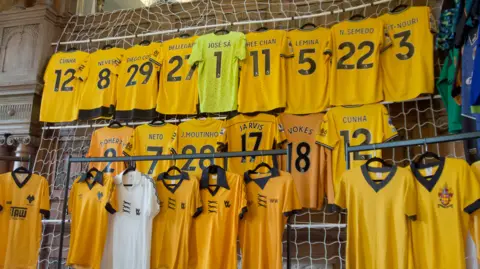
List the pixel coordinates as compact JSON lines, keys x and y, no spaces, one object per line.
{"x":184,"y":35}
{"x":223,"y":31}
{"x":308,"y":24}
{"x":385,"y":165}
{"x":357,"y":17}
{"x":71,"y":49}
{"x":89,"y":172}
{"x":399,"y":8}
{"x":174,"y":168}
{"x":130,"y":168}
{"x":261,"y":165}
{"x":145,"y":42}
{"x":157,"y":121}
{"x":108,"y":46}
{"x":427,"y":154}
{"x":262,"y":29}
{"x":114,"y":123}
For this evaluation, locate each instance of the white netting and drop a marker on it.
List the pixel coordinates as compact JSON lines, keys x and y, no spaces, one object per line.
{"x":318,"y":239}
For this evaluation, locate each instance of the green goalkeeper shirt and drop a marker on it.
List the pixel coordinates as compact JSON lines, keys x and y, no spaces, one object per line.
{"x":218,"y":67}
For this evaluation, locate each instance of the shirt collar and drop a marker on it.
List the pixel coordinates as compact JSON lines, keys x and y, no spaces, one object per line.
{"x":165,"y":175}
{"x":98,"y":177}
{"x":221,"y":178}
{"x":261,"y":182}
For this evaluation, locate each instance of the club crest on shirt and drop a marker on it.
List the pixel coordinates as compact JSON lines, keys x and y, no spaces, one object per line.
{"x":227,"y":204}
{"x":30,"y":199}
{"x":445,"y":196}
{"x":99,"y":195}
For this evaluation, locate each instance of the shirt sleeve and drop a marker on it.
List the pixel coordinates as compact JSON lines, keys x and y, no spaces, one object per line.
{"x":118,"y":62}
{"x":286,"y":50}
{"x":291,"y":203}
{"x":341,"y":192}
{"x":241,"y":51}
{"x":83,"y":69}
{"x":389,"y":130}
{"x":2,"y":195}
{"x":197,"y":206}
{"x":386,"y":41}
{"x":173,"y":144}
{"x":129,"y":149}
{"x":326,"y":175}
{"x":112,"y":205}
{"x":328,"y":134}
{"x":329,"y":46}
{"x":93,"y":142}
{"x":157,"y":58}
{"x":280,"y":136}
{"x":45,"y":199}
{"x":71,"y":198}
{"x":432,"y":21}
{"x":243,"y":199}
{"x":471,"y":190}
{"x":222,"y":142}
{"x":197,"y":52}
{"x":154,"y":203}
{"x":410,"y":197}
{"x":47,"y":70}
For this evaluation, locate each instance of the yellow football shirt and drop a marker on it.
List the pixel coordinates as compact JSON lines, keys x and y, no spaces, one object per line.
{"x":24,"y":198}
{"x":152,"y":140}
{"x":448,"y":193}
{"x":100,"y":74}
{"x":90,"y":200}
{"x":408,"y":65}
{"x":62,"y":89}
{"x":380,"y":204}
{"x":178,"y":80}
{"x":251,"y":133}
{"x":354,"y":48}
{"x":357,"y":125}
{"x":475,"y":216}
{"x":271,"y":199}
{"x":173,"y":233}
{"x":311,"y":164}
{"x":198,"y":136}
{"x":109,"y":142}
{"x":262,"y":76}
{"x":137,"y":84}
{"x":224,"y":198}
{"x":307,"y":71}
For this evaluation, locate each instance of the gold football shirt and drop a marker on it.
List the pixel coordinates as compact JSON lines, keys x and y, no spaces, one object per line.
{"x":198,"y":136}
{"x":380,"y":204}
{"x":448,"y":193}
{"x":271,"y":199}
{"x":62,"y":89}
{"x":178,"y":80}
{"x":24,"y":198}
{"x":173,"y":234}
{"x":307,"y":71}
{"x":90,"y":200}
{"x":354,"y":48}
{"x":357,"y":125}
{"x":137,"y":84}
{"x":152,"y":140}
{"x":262,"y":76}
{"x":224,"y":199}
{"x":251,"y":133}
{"x":408,"y":65}
{"x":100,"y":74}
{"x":311,"y":164}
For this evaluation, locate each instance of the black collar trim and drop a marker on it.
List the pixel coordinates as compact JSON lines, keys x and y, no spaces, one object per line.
{"x":261,"y":182}
{"x":21,"y":184}
{"x":173,"y":187}
{"x":221,"y":180}
{"x":97,"y":179}
{"x":377,"y":186}
{"x":428,"y":184}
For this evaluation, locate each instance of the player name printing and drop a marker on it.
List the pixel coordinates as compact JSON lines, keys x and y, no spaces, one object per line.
{"x":68,"y":61}
{"x":357,"y":31}
{"x":139,"y":58}
{"x":180,"y":46}
{"x":155,"y":136}
{"x":402,"y":24}
{"x":251,"y":125}
{"x":261,"y":43}
{"x":112,"y":140}
{"x":355,"y":119}
{"x":216,"y":45}
{"x":300,"y":129}
{"x":199,"y":134}
{"x":307,"y":42}
{"x":109,"y":61}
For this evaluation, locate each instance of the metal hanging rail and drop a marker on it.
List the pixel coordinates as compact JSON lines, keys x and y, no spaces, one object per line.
{"x":225,"y":155}
{"x":27,"y":159}
{"x":332,"y":12}
{"x":407,"y":143}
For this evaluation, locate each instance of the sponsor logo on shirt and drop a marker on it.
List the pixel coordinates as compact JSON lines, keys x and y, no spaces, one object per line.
{"x":18,"y":213}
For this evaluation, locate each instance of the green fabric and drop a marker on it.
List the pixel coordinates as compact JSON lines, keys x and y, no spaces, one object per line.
{"x":218,"y":67}
{"x":444,"y":85}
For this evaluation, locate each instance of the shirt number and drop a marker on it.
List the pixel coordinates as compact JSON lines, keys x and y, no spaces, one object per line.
{"x":190,"y":149}
{"x":254,"y":54}
{"x":158,"y":151}
{"x":350,"y":47}
{"x":405,"y":44}
{"x":303,"y":154}
{"x":258,"y":140}
{"x":70,"y":73}
{"x":145,"y":69}
{"x":179,"y":60}
{"x":218,"y":55}
{"x":357,"y":133}
{"x":303,"y":58}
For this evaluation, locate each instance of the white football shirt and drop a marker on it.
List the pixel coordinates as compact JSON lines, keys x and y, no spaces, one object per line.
{"x":130,"y":231}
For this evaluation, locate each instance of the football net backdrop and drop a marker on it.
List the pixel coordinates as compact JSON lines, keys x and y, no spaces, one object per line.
{"x":318,"y":238}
